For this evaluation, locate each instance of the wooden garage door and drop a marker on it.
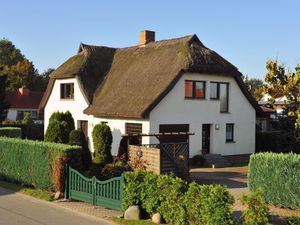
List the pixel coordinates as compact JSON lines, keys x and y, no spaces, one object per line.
{"x":174,"y":128}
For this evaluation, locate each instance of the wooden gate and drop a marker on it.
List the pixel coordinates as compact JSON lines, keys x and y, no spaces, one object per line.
{"x":106,"y":193}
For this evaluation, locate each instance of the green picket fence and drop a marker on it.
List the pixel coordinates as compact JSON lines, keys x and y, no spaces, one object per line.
{"x":106,"y":193}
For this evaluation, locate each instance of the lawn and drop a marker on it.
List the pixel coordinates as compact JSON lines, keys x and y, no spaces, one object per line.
{"x":132,"y":222}
{"x":37,"y":193}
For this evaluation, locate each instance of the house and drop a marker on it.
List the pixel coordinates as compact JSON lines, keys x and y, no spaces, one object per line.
{"x":273,"y":108}
{"x":22,"y":101}
{"x":157,"y":86}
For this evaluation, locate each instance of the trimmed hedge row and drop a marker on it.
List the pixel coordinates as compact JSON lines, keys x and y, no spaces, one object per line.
{"x":40,"y":164}
{"x":29,"y":131}
{"x":178,"y":202}
{"x":278,"y":175}
{"x":13,"y":132}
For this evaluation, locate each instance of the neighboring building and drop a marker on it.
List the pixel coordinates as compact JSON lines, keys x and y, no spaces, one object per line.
{"x":23,"y":101}
{"x":157,"y":86}
{"x":273,"y":110}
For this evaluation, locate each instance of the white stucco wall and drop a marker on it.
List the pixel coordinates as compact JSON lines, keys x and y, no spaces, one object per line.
{"x":75,"y":106}
{"x":12,"y":114}
{"x":117,"y":127}
{"x":175,"y":109}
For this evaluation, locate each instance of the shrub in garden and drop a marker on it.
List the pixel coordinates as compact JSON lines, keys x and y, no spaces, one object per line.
{"x":34,"y":163}
{"x":111,"y":170}
{"x":27,"y":119}
{"x":102,"y":140}
{"x":198,"y":160}
{"x":278,"y":175}
{"x":293,"y":221}
{"x":12,"y":132}
{"x":59,"y":128}
{"x":208,"y":204}
{"x":77,"y":137}
{"x":257,"y":211}
{"x":177,"y":202}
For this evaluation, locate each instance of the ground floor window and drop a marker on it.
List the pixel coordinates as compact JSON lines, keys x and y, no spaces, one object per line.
{"x":229,"y":132}
{"x":21,"y":114}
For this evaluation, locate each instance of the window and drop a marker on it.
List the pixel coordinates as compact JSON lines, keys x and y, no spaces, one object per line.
{"x":67,"y":91}
{"x":224,"y":91}
{"x":21,"y":114}
{"x":229,"y":132}
{"x":194,"y":89}
{"x":214,"y":90}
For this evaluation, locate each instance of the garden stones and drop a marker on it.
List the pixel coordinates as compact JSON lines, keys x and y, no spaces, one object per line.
{"x":156,"y":218}
{"x":132,"y":213}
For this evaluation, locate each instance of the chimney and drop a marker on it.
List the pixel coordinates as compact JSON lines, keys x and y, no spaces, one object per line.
{"x":24,"y":91}
{"x":146,"y":37}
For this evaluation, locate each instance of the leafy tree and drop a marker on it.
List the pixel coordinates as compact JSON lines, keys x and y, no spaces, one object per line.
{"x":288,"y":83}
{"x":20,"y":70}
{"x":255,"y":86}
{"x":3,"y":104}
{"x":102,"y":140}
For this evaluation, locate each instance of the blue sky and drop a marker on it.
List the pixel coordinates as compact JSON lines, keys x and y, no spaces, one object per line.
{"x":247,"y":33}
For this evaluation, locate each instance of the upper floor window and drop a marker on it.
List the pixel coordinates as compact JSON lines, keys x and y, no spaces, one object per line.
{"x":67,"y":91}
{"x":194,"y":89}
{"x":220,"y":91}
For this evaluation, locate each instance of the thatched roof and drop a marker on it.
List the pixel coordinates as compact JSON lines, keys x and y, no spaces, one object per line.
{"x":131,"y":81}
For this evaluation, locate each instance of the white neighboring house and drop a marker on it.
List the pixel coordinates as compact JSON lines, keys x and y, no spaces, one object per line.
{"x":157,"y":86}
{"x":22,"y":101}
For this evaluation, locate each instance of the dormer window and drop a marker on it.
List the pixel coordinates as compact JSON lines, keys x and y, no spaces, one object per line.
{"x":67,"y":91}
{"x":195,"y":89}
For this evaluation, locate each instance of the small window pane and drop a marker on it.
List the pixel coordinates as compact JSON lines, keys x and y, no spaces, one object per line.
{"x":224,"y":97}
{"x":229,"y":132}
{"x":189,"y":89}
{"x":199,"y":90}
{"x":214,"y":92}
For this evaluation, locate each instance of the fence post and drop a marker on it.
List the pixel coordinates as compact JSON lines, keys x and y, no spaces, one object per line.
{"x":94,"y":190}
{"x":67,"y":171}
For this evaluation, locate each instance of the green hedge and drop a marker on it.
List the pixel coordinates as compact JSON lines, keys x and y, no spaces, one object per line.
{"x":34,"y":163}
{"x":13,"y":132}
{"x":278,"y":175}
{"x":29,"y":131}
{"x":177,"y":201}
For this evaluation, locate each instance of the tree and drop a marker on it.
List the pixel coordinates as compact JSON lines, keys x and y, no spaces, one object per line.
{"x":288,"y":83}
{"x":27,"y":120}
{"x":59,"y":128}
{"x":3,"y":104}
{"x":102,"y":140}
{"x":20,"y":70}
{"x":255,"y":86}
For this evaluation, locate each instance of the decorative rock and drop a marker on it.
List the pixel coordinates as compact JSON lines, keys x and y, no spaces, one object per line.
{"x":156,"y":218}
{"x":132,"y":213}
{"x":58,"y":195}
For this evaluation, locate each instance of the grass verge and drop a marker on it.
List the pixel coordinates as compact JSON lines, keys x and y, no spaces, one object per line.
{"x":37,"y":193}
{"x":132,"y":222}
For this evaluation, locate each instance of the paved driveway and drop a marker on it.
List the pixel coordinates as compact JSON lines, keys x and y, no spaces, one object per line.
{"x":18,"y":209}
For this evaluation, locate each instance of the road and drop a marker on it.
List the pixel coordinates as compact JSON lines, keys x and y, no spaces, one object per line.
{"x":19,"y":209}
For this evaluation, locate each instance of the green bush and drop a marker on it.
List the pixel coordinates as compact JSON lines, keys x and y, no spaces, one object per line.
{"x":102,"y":140}
{"x":12,"y":132}
{"x":33,"y":162}
{"x":59,"y":128}
{"x":27,"y":119}
{"x":293,"y":221}
{"x":198,"y":160}
{"x":208,"y":204}
{"x":77,"y":137}
{"x":177,"y":202}
{"x":278,"y":175}
{"x":257,"y":212}
{"x":29,"y":131}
